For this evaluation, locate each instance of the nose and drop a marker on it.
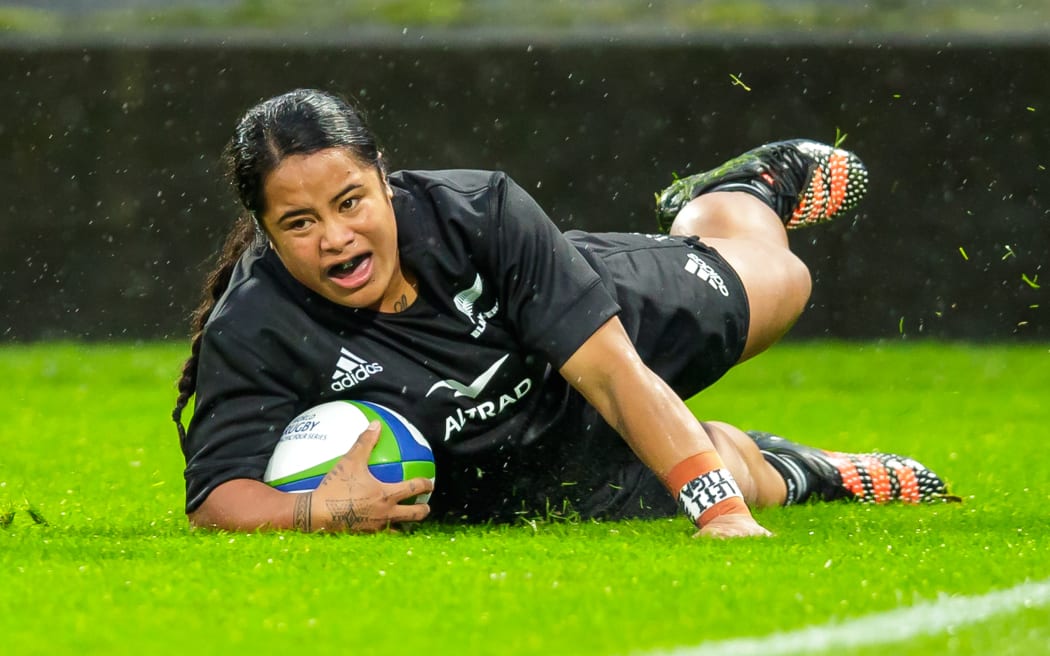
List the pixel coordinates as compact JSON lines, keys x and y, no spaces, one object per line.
{"x":338,"y":234}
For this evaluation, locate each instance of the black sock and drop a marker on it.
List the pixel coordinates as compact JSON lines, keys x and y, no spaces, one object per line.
{"x":757,"y":187}
{"x":795,"y":475}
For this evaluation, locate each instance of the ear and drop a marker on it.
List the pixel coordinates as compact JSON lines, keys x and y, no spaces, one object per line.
{"x":381,"y":167}
{"x":260,"y":232}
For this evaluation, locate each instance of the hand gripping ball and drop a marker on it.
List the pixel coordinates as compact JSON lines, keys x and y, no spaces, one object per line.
{"x":315,"y":440}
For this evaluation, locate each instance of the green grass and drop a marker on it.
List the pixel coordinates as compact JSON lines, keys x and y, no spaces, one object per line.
{"x":88,"y":445}
{"x":295,"y":16}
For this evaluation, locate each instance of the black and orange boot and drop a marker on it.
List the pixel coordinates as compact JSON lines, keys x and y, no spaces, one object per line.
{"x":864,"y":477}
{"x":803,"y":181}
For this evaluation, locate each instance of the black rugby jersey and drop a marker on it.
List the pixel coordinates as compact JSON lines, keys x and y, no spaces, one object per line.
{"x":504,"y":300}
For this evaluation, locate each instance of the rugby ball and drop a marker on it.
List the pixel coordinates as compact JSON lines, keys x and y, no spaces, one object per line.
{"x":315,"y":440}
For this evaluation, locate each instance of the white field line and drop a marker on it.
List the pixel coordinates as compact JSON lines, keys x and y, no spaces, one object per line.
{"x":898,"y":625}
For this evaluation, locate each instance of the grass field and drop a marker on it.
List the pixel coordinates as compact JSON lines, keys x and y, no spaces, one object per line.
{"x":111,"y":567}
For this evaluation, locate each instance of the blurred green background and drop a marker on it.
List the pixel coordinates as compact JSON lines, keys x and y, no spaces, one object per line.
{"x":62,"y":17}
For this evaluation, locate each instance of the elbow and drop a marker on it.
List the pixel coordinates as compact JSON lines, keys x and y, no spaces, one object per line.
{"x":216,"y":512}
{"x":202,"y":518}
{"x":242,"y":505}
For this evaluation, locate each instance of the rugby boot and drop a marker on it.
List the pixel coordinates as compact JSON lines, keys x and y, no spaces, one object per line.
{"x":864,"y":477}
{"x":803,"y":181}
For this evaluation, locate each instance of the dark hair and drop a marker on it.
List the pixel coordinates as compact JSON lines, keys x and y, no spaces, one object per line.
{"x":295,"y":123}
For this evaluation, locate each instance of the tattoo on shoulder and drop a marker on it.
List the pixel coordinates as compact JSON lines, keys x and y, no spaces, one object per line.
{"x":401,"y":304}
{"x":301,"y":519}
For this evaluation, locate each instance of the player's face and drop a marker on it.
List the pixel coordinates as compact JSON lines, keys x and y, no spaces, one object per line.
{"x":330,"y":219}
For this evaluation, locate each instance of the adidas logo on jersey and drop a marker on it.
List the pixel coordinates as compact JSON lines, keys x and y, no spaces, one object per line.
{"x":702,"y":270}
{"x":351,"y":370}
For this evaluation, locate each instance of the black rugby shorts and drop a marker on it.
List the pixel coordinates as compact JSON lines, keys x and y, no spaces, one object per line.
{"x":683,"y":306}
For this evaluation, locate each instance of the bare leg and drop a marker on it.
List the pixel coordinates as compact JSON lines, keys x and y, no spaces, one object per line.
{"x":751,"y":237}
{"x":762,"y":485}
{"x":730,"y":215}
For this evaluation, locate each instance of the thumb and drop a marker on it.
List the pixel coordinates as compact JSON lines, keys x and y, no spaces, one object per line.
{"x":361,"y":451}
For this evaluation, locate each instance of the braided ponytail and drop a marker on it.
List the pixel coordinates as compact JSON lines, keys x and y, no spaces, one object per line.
{"x":240,"y":237}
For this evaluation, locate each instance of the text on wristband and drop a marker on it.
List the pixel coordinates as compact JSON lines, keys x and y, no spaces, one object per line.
{"x":705,"y":491}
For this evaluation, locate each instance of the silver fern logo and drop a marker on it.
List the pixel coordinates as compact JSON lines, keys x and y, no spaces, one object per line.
{"x":465,"y":304}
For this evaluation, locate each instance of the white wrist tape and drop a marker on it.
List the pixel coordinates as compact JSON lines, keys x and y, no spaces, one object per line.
{"x":702,"y":493}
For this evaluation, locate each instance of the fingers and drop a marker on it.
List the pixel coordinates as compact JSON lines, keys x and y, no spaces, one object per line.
{"x":414,"y":512}
{"x":361,"y":503}
{"x":411,"y":487}
{"x":723,"y":533}
{"x":401,"y":493}
{"x":733,"y":526}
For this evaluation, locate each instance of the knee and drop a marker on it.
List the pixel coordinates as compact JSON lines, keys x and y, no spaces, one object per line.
{"x":787,"y":288}
{"x":778,"y":291}
{"x":797,"y":280}
{"x":776,"y":280}
{"x":795,"y":284}
{"x":738,"y":453}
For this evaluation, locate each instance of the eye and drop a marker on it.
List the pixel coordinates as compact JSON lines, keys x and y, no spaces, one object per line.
{"x":297,"y":225}
{"x":349,"y":204}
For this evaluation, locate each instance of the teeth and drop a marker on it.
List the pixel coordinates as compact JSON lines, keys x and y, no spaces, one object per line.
{"x":348,"y":266}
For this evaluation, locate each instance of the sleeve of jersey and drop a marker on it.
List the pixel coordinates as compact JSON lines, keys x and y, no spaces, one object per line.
{"x":553,"y":297}
{"x":241,"y":409}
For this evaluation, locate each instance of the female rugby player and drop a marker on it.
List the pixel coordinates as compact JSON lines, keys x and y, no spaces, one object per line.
{"x":544,"y":368}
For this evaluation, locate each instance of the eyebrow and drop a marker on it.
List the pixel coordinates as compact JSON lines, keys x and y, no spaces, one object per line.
{"x":347,"y":189}
{"x":303,"y":210}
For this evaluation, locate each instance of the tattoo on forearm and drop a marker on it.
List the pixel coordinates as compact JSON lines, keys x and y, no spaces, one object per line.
{"x":401,"y":304}
{"x":301,"y":520}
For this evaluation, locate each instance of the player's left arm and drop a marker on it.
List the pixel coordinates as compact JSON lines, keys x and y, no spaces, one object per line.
{"x":660,"y":429}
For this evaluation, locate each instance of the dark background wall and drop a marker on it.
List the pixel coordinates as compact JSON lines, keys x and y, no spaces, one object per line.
{"x":113,"y":200}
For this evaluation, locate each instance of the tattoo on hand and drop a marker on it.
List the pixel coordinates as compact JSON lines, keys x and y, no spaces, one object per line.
{"x":401,"y":304}
{"x":301,"y":520}
{"x":343,"y":512}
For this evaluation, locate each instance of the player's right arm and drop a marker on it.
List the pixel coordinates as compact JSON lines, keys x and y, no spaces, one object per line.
{"x":349,"y":499}
{"x":661,"y":430}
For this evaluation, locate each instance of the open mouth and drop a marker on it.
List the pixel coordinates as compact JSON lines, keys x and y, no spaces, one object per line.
{"x":346,"y":269}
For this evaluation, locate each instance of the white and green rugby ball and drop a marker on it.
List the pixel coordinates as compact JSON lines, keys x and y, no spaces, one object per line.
{"x":315,"y":440}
